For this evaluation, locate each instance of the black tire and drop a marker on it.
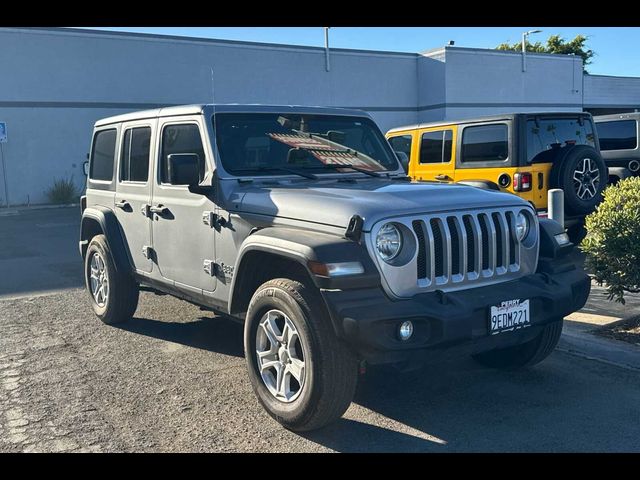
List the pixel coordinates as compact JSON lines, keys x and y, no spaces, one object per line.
{"x":525,"y":355}
{"x":123,"y":292}
{"x":330,"y":374}
{"x":562,"y":174}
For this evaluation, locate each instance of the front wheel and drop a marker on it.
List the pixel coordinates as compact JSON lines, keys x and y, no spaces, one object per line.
{"x":527,"y":354}
{"x":303,"y":375}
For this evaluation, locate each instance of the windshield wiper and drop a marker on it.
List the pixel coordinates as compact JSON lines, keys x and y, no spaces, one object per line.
{"x":335,"y":166}
{"x":308,"y":175}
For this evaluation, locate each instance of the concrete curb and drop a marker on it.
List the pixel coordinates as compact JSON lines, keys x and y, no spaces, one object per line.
{"x":6,"y":212}
{"x":611,"y":325}
{"x":587,"y":345}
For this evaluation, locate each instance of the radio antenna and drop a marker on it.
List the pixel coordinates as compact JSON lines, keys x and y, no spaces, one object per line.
{"x":213,"y":100}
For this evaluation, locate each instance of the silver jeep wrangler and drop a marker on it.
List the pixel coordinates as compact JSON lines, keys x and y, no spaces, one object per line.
{"x":301,"y":223}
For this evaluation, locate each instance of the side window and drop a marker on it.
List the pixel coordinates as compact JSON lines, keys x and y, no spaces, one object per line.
{"x":401,"y":144}
{"x":485,"y":143}
{"x":618,"y":135}
{"x":435,"y":147}
{"x":134,"y":161}
{"x":102,"y":155}
{"x":181,"y":139}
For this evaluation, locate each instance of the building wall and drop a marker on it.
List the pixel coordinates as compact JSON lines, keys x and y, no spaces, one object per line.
{"x":481,"y":82}
{"x":606,"y":92}
{"x":56,"y":84}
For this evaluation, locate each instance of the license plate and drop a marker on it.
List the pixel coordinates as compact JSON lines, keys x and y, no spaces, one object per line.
{"x":508,"y":316}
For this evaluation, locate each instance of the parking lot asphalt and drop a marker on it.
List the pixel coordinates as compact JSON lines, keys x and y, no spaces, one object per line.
{"x":174,"y":379}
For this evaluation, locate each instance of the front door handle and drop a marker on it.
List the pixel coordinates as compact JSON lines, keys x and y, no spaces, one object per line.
{"x":443,"y":177}
{"x":123,"y":204}
{"x":159,"y":210}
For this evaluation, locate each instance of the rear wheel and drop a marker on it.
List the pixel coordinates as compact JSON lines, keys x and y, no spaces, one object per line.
{"x":303,"y":375}
{"x":114,"y":294}
{"x":527,"y":354}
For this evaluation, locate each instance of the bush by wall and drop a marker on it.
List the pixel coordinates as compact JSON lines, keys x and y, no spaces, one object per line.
{"x":63,"y":191}
{"x":612,"y":244}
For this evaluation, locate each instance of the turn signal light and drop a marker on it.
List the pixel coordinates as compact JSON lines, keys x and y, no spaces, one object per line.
{"x":522,"y":182}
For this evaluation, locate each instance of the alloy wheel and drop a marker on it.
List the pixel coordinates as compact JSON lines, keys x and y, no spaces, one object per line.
{"x":280,"y":356}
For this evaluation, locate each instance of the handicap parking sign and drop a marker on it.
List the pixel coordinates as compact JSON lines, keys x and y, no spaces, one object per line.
{"x":3,"y":132}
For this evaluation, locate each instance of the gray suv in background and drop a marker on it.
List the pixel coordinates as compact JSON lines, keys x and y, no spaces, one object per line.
{"x":619,"y":144}
{"x":300,"y":223}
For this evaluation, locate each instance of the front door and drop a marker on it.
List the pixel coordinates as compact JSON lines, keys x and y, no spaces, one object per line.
{"x":133,"y":190}
{"x":435,"y":155}
{"x":182,"y":243}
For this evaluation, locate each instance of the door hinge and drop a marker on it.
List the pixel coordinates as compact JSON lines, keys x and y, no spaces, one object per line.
{"x":213,"y":219}
{"x":208,"y":218}
{"x":144,"y":209}
{"x":147,"y":251}
{"x":209,"y":267}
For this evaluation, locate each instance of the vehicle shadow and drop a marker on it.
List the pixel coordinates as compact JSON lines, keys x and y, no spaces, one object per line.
{"x":214,"y":334}
{"x":563,"y":404}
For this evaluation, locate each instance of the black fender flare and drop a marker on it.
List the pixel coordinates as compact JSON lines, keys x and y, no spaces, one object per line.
{"x":303,"y":246}
{"x":484,"y":184}
{"x":108,"y":225}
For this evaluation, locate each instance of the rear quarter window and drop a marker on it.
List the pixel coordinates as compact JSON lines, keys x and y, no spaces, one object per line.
{"x":485,"y":143}
{"x":103,"y":154}
{"x":618,"y":135}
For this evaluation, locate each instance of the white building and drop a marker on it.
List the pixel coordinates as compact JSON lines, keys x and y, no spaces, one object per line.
{"x":54,"y":84}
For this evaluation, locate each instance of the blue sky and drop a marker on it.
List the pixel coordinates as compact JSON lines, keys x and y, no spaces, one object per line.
{"x":615,"y":47}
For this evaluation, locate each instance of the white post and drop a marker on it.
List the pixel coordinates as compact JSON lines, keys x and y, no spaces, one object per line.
{"x":555,"y":200}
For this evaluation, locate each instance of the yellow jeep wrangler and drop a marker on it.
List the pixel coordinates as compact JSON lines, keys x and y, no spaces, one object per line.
{"x":522,"y":153}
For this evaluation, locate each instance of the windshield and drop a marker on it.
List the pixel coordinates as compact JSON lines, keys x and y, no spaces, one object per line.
{"x":268,"y":143}
{"x":550,"y":133}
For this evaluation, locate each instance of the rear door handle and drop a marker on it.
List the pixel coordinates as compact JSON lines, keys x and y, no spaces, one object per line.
{"x":443,"y":177}
{"x":123,"y":204}
{"x":159,"y":210}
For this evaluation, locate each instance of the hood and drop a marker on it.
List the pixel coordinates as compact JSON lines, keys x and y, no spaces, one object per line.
{"x":330,"y":202}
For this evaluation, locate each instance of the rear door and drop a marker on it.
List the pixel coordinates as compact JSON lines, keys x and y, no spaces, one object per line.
{"x":182,"y":242}
{"x":435,"y":154}
{"x":133,"y":190}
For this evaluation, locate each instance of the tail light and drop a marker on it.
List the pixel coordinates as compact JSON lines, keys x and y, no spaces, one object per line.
{"x":522,"y":182}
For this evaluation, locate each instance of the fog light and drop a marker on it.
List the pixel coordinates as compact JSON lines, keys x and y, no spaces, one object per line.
{"x":405,"y":330}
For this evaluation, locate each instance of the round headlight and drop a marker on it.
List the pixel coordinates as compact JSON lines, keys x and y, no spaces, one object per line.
{"x":522,"y":226}
{"x":388,"y":242}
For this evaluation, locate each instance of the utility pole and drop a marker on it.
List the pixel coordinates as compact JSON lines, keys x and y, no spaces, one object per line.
{"x":326,"y":48}
{"x":524,"y":47}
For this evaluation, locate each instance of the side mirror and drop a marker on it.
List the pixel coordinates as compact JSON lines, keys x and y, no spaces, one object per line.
{"x":85,"y":168}
{"x":183,"y":169}
{"x":403,"y":159}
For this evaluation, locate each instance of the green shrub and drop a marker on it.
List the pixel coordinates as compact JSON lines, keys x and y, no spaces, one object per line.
{"x":612,"y":244}
{"x":63,"y":191}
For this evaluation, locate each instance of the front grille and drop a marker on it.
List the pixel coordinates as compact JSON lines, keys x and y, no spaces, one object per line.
{"x":465,"y":247}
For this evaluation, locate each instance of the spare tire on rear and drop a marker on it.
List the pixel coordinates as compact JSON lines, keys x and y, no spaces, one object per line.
{"x":582,"y":174}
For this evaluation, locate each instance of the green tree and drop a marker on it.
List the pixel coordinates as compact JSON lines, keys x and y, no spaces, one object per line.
{"x":556,"y":44}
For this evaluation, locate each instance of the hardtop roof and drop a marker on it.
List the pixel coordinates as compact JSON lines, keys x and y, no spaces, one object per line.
{"x":197,"y":109}
{"x":486,"y":118}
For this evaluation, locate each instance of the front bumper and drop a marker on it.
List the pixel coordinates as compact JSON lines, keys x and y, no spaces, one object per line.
{"x":450,"y":323}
